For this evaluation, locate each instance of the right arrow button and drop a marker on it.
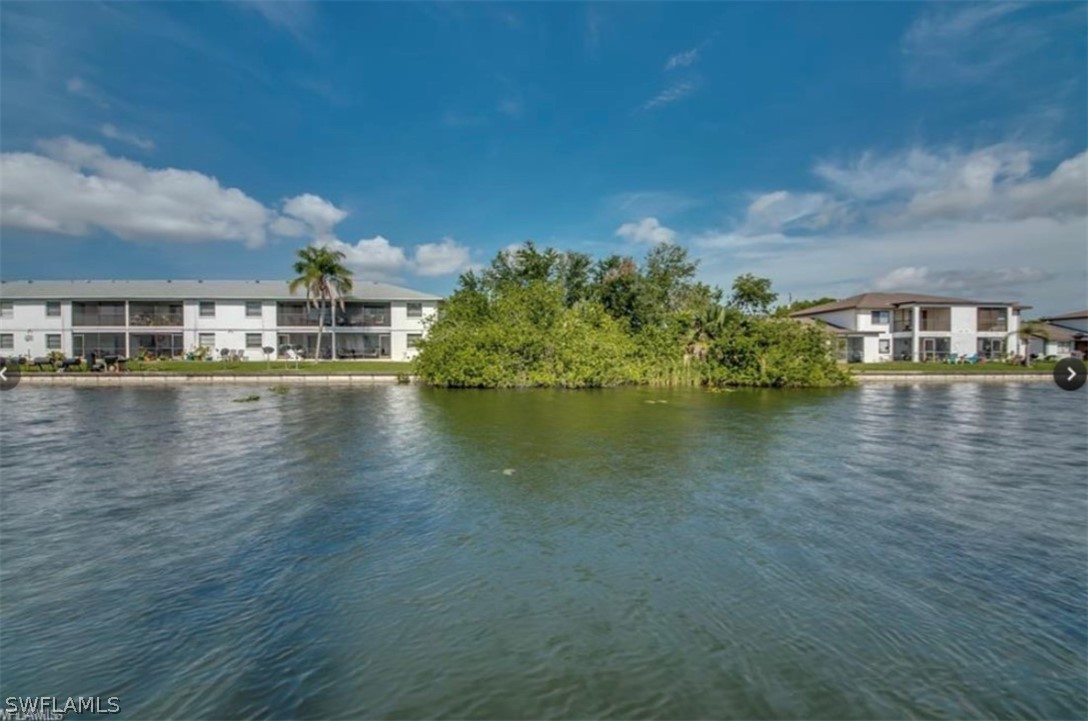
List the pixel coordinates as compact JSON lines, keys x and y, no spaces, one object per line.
{"x":1070,"y":373}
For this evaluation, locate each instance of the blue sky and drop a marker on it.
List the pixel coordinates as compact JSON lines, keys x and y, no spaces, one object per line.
{"x":832,"y":147}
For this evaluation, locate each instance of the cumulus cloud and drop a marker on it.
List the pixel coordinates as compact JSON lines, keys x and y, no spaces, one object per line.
{"x":979,"y":222}
{"x":73,"y":188}
{"x":113,"y":133}
{"x":442,"y":258}
{"x":371,"y":258}
{"x":312,"y":213}
{"x":648,"y":230}
{"x":378,"y":259}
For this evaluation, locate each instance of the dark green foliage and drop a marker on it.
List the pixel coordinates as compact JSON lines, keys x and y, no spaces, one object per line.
{"x":752,"y":294}
{"x":546,"y":318}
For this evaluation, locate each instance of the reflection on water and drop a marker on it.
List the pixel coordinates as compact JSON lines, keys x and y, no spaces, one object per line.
{"x":403,"y":552}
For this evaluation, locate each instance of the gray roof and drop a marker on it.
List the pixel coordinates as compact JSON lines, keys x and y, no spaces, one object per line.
{"x":187,"y":289}
{"x":1059,"y":334}
{"x":1075,"y":315}
{"x":888,"y":301}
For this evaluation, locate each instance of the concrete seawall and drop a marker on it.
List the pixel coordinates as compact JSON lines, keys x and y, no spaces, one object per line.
{"x":173,"y":379}
{"x":953,"y":377}
{"x":317,"y":379}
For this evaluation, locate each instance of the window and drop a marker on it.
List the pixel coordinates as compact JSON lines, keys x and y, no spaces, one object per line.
{"x":7,"y":309}
{"x":253,"y":309}
{"x":991,"y":347}
{"x":414,"y":339}
{"x":52,"y":341}
{"x":992,"y":320}
{"x":207,"y":309}
{"x":52,"y":308}
{"x":207,"y":340}
{"x":7,"y":341}
{"x":253,"y":340}
{"x":885,"y":346}
{"x":880,"y":317}
{"x":415,"y":310}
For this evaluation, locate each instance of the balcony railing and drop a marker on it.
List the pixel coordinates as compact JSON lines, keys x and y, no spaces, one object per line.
{"x":289,"y":318}
{"x":995,"y":327}
{"x":98,"y":319}
{"x":156,"y":319}
{"x":364,"y":318}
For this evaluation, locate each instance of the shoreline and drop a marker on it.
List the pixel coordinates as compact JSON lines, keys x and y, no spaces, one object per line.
{"x":173,"y":379}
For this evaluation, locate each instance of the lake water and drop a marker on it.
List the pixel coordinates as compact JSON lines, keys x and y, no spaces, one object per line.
{"x":402,"y":552}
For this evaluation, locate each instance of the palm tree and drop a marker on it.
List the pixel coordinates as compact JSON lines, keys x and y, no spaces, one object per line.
{"x":326,"y":280}
{"x":705,"y":327}
{"x":1027,"y":330}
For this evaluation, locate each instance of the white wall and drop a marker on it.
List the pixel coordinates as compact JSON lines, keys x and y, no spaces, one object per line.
{"x":964,"y":324}
{"x":865,"y":321}
{"x":29,"y":319}
{"x":229,"y":326}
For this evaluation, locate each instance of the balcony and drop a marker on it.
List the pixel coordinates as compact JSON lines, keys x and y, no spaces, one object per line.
{"x":167,"y":315}
{"x":936,"y":320}
{"x":98,"y":314}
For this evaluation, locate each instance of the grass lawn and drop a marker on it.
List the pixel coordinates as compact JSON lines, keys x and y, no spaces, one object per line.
{"x":261,"y":367}
{"x":906,"y":366}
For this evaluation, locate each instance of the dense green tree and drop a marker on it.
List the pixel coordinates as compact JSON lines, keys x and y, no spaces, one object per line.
{"x":752,"y":294}
{"x":545,"y":318}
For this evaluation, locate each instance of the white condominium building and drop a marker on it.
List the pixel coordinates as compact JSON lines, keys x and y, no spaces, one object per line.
{"x":875,"y":327}
{"x":173,"y":318}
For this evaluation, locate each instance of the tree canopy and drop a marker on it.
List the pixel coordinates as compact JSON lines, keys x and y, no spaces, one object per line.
{"x":543,"y":317}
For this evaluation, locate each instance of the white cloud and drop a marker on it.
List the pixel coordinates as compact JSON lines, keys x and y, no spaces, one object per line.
{"x":73,"y":188}
{"x":917,"y":278}
{"x":113,"y":133}
{"x":442,"y":258}
{"x":676,"y":91}
{"x":988,"y":222}
{"x":992,"y":182}
{"x":1041,"y":261}
{"x":682,"y":60}
{"x":647,"y":230}
{"x":649,"y":202}
{"x":316,"y":213}
{"x":783,"y":210}
{"x":371,"y":258}
{"x":378,"y":259}
{"x":967,"y":43}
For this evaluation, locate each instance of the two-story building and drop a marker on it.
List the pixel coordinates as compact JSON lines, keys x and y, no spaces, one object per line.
{"x":170,"y":318}
{"x":876,"y":327}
